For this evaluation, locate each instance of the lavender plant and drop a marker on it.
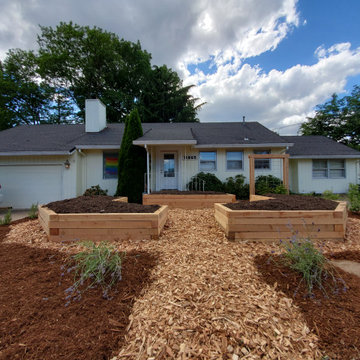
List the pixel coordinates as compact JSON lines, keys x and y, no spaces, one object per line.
{"x":301,"y":255}
{"x":97,"y":266}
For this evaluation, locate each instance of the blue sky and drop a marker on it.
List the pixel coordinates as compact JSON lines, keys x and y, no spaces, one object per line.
{"x":272,"y":61}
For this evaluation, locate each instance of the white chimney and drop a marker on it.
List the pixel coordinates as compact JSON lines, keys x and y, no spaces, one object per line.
{"x":95,"y":115}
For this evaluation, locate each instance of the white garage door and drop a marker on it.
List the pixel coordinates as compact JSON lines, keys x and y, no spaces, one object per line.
{"x":24,"y":185}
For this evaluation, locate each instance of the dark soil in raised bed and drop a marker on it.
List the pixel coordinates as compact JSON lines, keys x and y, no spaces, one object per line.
{"x":98,"y":204}
{"x":36,"y":324}
{"x":178,"y":192}
{"x":285,"y":202}
{"x":336,"y":319}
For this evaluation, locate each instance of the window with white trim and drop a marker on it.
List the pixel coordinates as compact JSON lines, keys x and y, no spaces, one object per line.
{"x":234,"y":160}
{"x":263,"y":164}
{"x":326,"y":168}
{"x":207,"y":161}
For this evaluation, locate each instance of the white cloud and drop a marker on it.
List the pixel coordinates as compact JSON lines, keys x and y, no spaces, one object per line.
{"x":276,"y":99}
{"x":179,"y":33}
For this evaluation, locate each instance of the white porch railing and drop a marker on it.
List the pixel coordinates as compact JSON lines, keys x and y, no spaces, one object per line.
{"x":171,"y":182}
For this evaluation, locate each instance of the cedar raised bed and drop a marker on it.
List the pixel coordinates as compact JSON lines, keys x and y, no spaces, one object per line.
{"x":102,"y":226}
{"x":273,"y":225}
{"x":187,"y":201}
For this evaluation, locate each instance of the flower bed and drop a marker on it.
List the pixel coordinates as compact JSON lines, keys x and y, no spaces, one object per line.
{"x":102,"y":226}
{"x":272,"y":225}
{"x":188,"y":200}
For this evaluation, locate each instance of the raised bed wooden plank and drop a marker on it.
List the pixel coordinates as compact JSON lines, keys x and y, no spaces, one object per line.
{"x":190,"y":201}
{"x":102,"y":226}
{"x":269,"y":224}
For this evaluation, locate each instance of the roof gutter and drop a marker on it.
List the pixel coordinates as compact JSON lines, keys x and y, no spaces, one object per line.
{"x":164,"y":142}
{"x":36,"y":153}
{"x":264,"y":145}
{"x":324,"y":156}
{"x":98,"y":147}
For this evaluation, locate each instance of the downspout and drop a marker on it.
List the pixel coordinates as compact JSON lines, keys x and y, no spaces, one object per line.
{"x":147,"y":170}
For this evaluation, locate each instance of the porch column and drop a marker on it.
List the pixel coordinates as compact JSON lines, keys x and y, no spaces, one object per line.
{"x":147,"y":170}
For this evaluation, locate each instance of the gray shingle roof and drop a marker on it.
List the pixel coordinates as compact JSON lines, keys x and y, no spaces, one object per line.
{"x":318,"y":147}
{"x":64,"y":138}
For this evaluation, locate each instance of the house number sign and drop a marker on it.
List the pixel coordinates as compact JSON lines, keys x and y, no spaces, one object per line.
{"x":189,"y":157}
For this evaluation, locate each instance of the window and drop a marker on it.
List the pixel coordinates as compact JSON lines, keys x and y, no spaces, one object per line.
{"x":207,"y":161}
{"x":262,"y":163}
{"x":234,"y":160}
{"x":110,"y":165}
{"x":333,"y":169}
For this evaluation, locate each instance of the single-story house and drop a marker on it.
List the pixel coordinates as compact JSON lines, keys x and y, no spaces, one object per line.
{"x":43,"y":163}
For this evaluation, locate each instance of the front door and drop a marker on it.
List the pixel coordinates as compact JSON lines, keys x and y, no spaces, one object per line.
{"x":168,"y":170}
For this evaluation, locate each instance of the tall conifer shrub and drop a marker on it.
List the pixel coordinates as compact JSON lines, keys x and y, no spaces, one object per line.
{"x":132,"y":161}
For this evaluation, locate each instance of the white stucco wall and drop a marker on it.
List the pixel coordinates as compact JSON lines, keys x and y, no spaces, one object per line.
{"x":92,"y":165}
{"x":307,"y":184}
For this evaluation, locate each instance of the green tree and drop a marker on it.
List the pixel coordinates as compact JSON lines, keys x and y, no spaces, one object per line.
{"x":164,"y":99}
{"x":93,"y":63}
{"x":338,"y":119}
{"x":25,"y":98}
{"x":132,"y":161}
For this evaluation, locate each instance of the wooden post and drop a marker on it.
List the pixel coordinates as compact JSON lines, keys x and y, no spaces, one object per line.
{"x":285,"y":159}
{"x":286,"y":172}
{"x":252,"y":175}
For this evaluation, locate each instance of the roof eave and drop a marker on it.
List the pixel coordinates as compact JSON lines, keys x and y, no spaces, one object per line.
{"x":98,"y":147}
{"x":324,"y":156}
{"x":262,"y":145}
{"x":164,"y":142}
{"x":35,"y":153}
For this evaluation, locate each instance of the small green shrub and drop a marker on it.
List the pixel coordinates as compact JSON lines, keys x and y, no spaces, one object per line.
{"x":95,"y":190}
{"x":205,"y":182}
{"x":237,"y":186}
{"x":280,"y":189}
{"x":265,"y":184}
{"x":33,"y":212}
{"x":301,"y":255}
{"x":354,"y":197}
{"x":7,"y":218}
{"x":99,"y":265}
{"x":329,"y":195}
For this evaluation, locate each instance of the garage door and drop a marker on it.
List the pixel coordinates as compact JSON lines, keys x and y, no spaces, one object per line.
{"x":25,"y":185}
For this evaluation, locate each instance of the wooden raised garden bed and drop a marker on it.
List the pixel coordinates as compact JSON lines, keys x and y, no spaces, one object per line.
{"x":273,"y":225}
{"x":187,"y":201}
{"x":102,"y":226}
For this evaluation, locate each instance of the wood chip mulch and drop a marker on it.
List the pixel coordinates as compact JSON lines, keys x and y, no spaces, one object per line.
{"x":207,"y":299}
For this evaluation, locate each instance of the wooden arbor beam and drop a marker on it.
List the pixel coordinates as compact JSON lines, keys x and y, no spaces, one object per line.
{"x":285,"y":160}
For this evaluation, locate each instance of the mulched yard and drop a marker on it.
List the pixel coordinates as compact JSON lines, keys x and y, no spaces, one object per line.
{"x":190,"y":294}
{"x":285,"y":202}
{"x":98,"y":204}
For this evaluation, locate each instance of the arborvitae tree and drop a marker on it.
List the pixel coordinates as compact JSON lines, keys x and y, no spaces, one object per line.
{"x":132,"y":161}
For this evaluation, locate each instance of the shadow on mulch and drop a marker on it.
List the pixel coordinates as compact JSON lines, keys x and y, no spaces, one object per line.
{"x":336,"y":319}
{"x":36,"y":324}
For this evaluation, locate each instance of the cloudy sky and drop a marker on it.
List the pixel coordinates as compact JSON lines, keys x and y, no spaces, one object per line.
{"x":270,"y":60}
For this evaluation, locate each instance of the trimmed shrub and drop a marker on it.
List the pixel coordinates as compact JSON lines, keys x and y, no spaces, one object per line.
{"x":265,"y":184}
{"x":205,"y":182}
{"x":237,"y":186}
{"x":354,"y":197}
{"x":95,"y":190}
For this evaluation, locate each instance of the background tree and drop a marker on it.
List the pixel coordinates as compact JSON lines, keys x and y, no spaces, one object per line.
{"x":338,"y":119}
{"x":164,"y":99}
{"x":74,"y":63}
{"x":132,"y":161}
